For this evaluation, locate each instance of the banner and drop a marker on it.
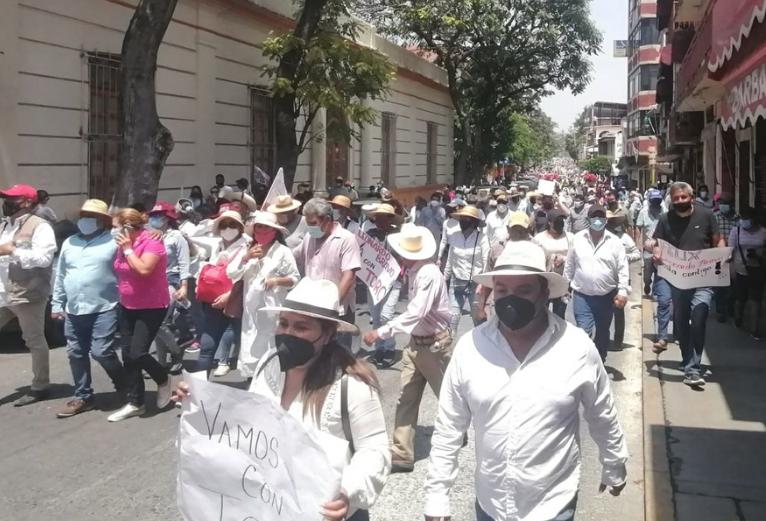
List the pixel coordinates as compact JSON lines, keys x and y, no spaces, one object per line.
{"x":379,"y":267}
{"x":694,"y":269}
{"x":277,"y":188}
{"x":546,"y":186}
{"x":242,"y":457}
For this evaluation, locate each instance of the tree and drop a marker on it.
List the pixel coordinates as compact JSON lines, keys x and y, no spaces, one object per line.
{"x":533,"y":139}
{"x":320,"y":66}
{"x":597,"y":164}
{"x":146,"y":142}
{"x":577,"y":134}
{"x":501,"y":56}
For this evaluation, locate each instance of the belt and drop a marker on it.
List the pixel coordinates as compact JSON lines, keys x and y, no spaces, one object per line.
{"x":431,"y":339}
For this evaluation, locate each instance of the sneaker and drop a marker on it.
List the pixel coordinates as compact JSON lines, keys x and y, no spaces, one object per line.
{"x":193,"y":347}
{"x":757,"y":337}
{"x":659,"y":346}
{"x":694,"y":380}
{"x":74,"y":407}
{"x":377,"y":357}
{"x":126,"y":412}
{"x":164,"y":393}
{"x":222,"y":370}
{"x":400,"y":466}
{"x":387,"y":360}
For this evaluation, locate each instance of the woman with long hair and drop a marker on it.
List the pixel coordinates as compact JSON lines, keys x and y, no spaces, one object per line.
{"x":140,"y":267}
{"x":307,"y":373}
{"x":267,"y":270}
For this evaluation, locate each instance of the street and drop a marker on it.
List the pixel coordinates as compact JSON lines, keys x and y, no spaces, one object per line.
{"x":84,"y":468}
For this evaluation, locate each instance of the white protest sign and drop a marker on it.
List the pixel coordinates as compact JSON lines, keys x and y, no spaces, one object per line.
{"x":694,"y":269}
{"x":379,"y":267}
{"x":277,"y":188}
{"x":546,"y":187}
{"x":243,"y":458}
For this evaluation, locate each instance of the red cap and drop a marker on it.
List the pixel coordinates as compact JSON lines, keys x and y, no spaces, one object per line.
{"x":25,"y":191}
{"x":164,"y":208}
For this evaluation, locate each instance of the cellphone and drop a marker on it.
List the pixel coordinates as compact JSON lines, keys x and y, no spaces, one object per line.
{"x":126,"y":228}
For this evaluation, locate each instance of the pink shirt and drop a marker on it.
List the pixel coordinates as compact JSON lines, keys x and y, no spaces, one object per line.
{"x":143,"y":292}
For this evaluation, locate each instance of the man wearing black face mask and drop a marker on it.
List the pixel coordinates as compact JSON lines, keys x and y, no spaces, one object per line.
{"x":501,"y":380}
{"x":27,"y":247}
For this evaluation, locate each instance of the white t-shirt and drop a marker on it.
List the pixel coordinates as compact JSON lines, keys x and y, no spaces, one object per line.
{"x":556,"y":250}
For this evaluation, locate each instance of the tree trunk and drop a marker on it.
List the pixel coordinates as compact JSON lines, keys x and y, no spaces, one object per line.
{"x":285,"y":105}
{"x":146,"y":142}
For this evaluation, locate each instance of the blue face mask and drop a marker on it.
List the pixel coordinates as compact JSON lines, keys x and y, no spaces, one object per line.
{"x":746,"y":223}
{"x":157,"y":222}
{"x":315,"y":232}
{"x":725,"y":208}
{"x":597,"y":224}
{"x":87,"y":225}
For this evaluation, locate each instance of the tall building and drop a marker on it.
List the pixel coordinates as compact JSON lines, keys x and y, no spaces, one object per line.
{"x":643,"y":64}
{"x":604,"y":136}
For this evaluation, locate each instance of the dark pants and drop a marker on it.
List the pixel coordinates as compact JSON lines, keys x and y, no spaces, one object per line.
{"x":138,"y":327}
{"x":360,"y":515}
{"x":346,"y":339}
{"x":195,"y":310}
{"x":594,"y":313}
{"x":649,"y":270}
{"x":567,"y":514}
{"x":690,"y":311}
{"x":214,"y":326}
{"x":559,"y":307}
{"x":619,"y":327}
{"x":748,"y":287}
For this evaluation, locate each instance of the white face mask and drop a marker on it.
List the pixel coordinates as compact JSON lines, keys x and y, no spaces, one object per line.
{"x":229,"y":234}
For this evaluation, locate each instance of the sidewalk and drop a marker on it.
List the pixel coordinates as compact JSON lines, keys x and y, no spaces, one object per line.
{"x":705,"y":450}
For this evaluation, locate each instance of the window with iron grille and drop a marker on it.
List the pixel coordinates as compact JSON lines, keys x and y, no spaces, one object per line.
{"x":104,"y":124}
{"x":431,"y":142}
{"x":262,"y":141}
{"x":388,"y":149}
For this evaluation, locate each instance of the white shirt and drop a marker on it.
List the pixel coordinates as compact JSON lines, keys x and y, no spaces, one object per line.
{"x":597,"y":269}
{"x":467,"y":256}
{"x":526,"y":417}
{"x":38,"y":253}
{"x":555,"y":249}
{"x":450,"y":225}
{"x":497,"y":231}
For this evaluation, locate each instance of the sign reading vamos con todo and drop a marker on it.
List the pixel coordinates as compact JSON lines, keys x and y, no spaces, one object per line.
{"x":694,"y":269}
{"x":379,"y":267}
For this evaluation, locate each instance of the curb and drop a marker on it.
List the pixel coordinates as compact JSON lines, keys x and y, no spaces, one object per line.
{"x":658,"y":488}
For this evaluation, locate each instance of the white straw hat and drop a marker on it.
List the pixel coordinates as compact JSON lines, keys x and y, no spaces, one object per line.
{"x":284,"y":203}
{"x":316,"y":299}
{"x":267,"y":219}
{"x":413,"y":242}
{"x":524,"y":258}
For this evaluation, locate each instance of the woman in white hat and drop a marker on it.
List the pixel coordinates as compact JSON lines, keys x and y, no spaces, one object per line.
{"x":268,"y":270}
{"x":309,"y":374}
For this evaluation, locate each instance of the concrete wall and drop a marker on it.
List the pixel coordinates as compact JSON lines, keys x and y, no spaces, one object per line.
{"x":206,"y":66}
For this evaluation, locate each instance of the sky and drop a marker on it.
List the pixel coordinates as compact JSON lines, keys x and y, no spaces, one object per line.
{"x":609,"y":81}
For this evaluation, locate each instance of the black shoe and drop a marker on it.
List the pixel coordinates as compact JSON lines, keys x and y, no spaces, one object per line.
{"x":648,"y":291}
{"x":387,"y":359}
{"x":465,"y":440}
{"x":31,"y":397}
{"x":397,"y":467}
{"x":377,"y":357}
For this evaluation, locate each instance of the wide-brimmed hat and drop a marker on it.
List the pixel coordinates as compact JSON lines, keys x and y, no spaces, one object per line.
{"x":228,"y":214}
{"x":467,"y":211}
{"x":413,"y":242}
{"x":164,"y":208}
{"x":386,"y":209}
{"x":524,"y":258}
{"x":267,"y":219}
{"x":316,"y":299}
{"x":96,"y":207}
{"x":284,"y":203}
{"x":342,"y":201}
{"x":21,"y":190}
{"x":518,"y":219}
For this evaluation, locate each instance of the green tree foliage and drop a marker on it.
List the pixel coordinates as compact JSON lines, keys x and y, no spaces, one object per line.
{"x":501,"y":57}
{"x":576,"y":135}
{"x":533,"y":139}
{"x":597,"y":164}
{"x":320,"y":65}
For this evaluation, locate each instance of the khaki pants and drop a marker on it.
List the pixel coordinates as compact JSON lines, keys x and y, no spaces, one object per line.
{"x":424,"y":360}
{"x":32,"y":321}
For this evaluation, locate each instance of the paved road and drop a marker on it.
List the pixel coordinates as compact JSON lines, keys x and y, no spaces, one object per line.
{"x":85,"y":469}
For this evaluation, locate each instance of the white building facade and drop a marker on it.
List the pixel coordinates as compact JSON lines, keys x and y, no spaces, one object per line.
{"x":60,"y":102}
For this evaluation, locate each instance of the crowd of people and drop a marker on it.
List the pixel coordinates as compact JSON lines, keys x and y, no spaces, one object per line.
{"x":270,"y":289}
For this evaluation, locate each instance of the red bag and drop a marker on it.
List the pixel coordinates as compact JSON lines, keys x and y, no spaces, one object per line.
{"x":212,"y":283}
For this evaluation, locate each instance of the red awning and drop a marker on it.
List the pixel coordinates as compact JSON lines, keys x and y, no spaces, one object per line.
{"x":731,"y":25}
{"x":666,"y":55}
{"x":745,"y":100}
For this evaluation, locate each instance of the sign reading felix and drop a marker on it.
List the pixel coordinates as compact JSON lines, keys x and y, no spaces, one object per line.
{"x":379,"y":267}
{"x":243,"y":458}
{"x":694,"y":269}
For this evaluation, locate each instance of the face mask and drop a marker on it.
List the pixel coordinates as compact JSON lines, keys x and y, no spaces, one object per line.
{"x":284,"y":219}
{"x":558,"y":225}
{"x":157,"y":222}
{"x":196,"y":203}
{"x":293,"y":351}
{"x":655,"y":202}
{"x":265,"y":237}
{"x":617,"y":230}
{"x":466,"y":224}
{"x":725,"y":208}
{"x":548,"y":205}
{"x":682,"y":207}
{"x":229,"y":234}
{"x":703,"y":194}
{"x":10,"y":207}
{"x":611,"y":204}
{"x":515,"y":312}
{"x":87,"y":225}
{"x":337,"y":215}
{"x":746,"y":223}
{"x":579,"y":205}
{"x":541,"y":222}
{"x":502,"y":208}
{"x":515,"y":199}
{"x":434,"y":204}
{"x":315,"y":232}
{"x":597,"y":224}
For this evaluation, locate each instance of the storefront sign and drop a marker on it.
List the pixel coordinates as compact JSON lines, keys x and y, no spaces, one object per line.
{"x":379,"y":267}
{"x":694,"y":269}
{"x":746,"y":99}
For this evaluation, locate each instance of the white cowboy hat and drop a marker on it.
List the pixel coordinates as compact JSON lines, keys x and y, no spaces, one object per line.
{"x":413,"y":242}
{"x":284,"y":203}
{"x":316,"y":299}
{"x":524,"y":258}
{"x":228,"y":214}
{"x":267,"y":219}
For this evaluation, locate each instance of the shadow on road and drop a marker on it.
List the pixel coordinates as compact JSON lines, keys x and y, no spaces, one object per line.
{"x":57,"y":391}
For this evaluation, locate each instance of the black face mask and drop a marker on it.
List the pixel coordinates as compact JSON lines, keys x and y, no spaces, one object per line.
{"x":682,"y":207}
{"x":293,"y":351}
{"x":515,"y":312}
{"x":466,"y":224}
{"x":10,"y":207}
{"x":558,"y":225}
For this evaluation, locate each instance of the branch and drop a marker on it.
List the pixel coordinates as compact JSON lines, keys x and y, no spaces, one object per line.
{"x":302,"y":143}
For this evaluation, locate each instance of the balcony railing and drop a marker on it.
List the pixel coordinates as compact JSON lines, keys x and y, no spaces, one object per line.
{"x":694,"y":67}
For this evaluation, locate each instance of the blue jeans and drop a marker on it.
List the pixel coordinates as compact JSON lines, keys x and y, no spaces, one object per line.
{"x":662,"y":293}
{"x":92,"y":335}
{"x":594,"y":313}
{"x":383,"y":312}
{"x":215,"y":325}
{"x":460,"y":292}
{"x":568,"y":514}
{"x":690,"y":311}
{"x":224,"y":352}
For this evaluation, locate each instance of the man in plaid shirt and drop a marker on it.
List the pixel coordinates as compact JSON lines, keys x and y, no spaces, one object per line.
{"x":727,"y":220}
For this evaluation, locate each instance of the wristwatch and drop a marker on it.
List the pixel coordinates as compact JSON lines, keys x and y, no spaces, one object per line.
{"x":128,"y":251}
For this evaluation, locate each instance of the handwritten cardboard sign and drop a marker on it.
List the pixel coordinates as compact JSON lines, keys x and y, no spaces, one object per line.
{"x":379,"y":267}
{"x":243,"y":458}
{"x":546,"y":186}
{"x":694,"y":269}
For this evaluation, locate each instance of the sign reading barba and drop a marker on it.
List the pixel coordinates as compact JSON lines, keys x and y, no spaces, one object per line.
{"x":694,"y":269}
{"x":243,"y":458}
{"x":379,"y":267}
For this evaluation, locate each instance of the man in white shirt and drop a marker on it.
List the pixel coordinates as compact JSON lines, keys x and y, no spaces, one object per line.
{"x":27,"y":247}
{"x":597,"y":270}
{"x":521,"y":378}
{"x":468,"y":255}
{"x":497,"y":231}
{"x":426,"y":320}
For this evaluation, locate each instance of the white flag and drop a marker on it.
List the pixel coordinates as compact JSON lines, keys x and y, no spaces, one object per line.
{"x":277,"y":188}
